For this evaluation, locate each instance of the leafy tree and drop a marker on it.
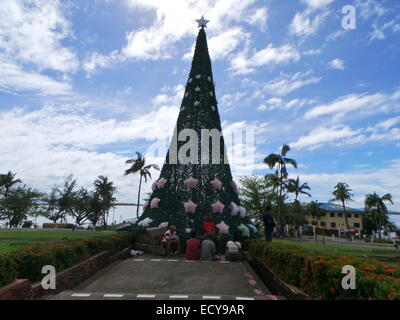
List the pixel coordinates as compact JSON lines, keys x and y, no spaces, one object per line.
{"x":60,"y":202}
{"x":20,"y":203}
{"x":138,"y":165}
{"x":256,"y":192}
{"x":316,"y":212}
{"x":51,"y":200}
{"x":294,"y":215}
{"x":376,"y":215}
{"x":81,"y":206}
{"x":294,"y":186}
{"x":280,"y":161}
{"x":7,"y":181}
{"x":342,"y":193}
{"x":105,"y":190}
{"x":66,"y":198}
{"x":96,"y":209}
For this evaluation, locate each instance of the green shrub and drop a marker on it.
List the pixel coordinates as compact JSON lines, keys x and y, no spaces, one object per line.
{"x":27,"y":262}
{"x":8,"y":270}
{"x":319,"y":274}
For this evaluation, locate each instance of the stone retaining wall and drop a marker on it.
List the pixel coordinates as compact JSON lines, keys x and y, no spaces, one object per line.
{"x":276,"y":285}
{"x":22,"y":289}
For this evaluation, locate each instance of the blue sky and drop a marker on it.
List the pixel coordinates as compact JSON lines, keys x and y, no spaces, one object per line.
{"x":83,"y":85}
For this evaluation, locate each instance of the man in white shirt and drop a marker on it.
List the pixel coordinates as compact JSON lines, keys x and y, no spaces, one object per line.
{"x":171,"y":240}
{"x":233,"y":250}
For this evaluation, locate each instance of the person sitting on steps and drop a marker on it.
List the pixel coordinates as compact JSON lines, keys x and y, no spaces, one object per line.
{"x":208,"y":251}
{"x":208,"y":227}
{"x":193,"y":247}
{"x":233,"y":249}
{"x":171,"y":241}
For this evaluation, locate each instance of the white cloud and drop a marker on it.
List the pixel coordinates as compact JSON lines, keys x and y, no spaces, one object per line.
{"x":32,"y":31}
{"x":362,"y":181}
{"x":243,"y":63}
{"x":303,"y":25}
{"x":387,"y":130}
{"x":346,"y":104}
{"x":285,"y":83}
{"x":321,"y":136}
{"x":96,"y":60}
{"x":337,"y":64}
{"x":47,"y":144}
{"x":278,"y":103}
{"x":312,"y":52}
{"x":370,"y":9}
{"x":13,"y":79}
{"x":222,"y":45}
{"x":228,"y":101}
{"x":317,"y":3}
{"x":173,"y":21}
{"x":259,"y":18}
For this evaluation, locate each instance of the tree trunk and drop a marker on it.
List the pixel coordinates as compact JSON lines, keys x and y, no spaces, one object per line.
{"x":138,"y":198}
{"x":345,"y":215}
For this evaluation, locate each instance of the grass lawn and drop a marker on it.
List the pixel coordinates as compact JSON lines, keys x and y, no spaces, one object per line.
{"x":10,"y":240}
{"x":383,"y":254}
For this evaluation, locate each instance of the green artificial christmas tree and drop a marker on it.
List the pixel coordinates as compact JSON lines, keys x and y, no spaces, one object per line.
{"x":197,"y":181}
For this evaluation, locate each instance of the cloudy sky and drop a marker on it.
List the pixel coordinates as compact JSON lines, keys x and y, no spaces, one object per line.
{"x":85,"y":84}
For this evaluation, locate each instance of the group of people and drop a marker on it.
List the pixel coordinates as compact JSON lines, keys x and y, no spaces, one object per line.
{"x":206,"y":249}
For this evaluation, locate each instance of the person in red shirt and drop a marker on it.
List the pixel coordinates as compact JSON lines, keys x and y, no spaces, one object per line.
{"x":193,"y":247}
{"x":208,"y":226}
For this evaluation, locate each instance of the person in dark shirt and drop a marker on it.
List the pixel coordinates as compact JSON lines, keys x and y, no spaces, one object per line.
{"x":269,"y":223}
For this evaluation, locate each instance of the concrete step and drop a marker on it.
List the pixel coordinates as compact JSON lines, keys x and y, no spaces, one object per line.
{"x":84,"y":295}
{"x":149,"y":248}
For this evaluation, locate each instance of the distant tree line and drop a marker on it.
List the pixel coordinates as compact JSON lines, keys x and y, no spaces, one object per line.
{"x":274,"y":189}
{"x":19,"y":202}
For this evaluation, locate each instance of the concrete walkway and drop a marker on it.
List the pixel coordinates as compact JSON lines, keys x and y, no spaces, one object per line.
{"x":152,"y":277}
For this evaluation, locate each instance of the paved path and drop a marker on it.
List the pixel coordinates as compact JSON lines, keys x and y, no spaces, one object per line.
{"x":152,"y":277}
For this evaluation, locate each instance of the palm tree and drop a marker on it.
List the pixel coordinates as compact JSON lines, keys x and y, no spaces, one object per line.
{"x":295,"y":187}
{"x":342,"y":193}
{"x":139,"y":165}
{"x":7,"y":181}
{"x":316,"y":212}
{"x":106,"y":191}
{"x":376,"y":204}
{"x":273,"y":180}
{"x":280,"y":161}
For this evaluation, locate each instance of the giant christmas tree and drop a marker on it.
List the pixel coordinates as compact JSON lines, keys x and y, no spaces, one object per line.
{"x":196,"y":179}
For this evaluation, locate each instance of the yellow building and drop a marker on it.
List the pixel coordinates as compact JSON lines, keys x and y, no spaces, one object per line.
{"x":332,"y":218}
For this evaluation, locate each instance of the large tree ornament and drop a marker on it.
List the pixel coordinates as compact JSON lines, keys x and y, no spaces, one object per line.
{"x":223,"y":227}
{"x":161,"y":183}
{"x":154,"y":203}
{"x":190,"y":206}
{"x":242,"y":212}
{"x":145,"y":223}
{"x":234,"y":209}
{"x":191,"y":183}
{"x":217,"y":184}
{"x":217,"y":207}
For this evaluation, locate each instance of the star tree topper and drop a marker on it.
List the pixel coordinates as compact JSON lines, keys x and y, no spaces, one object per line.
{"x":202,"y":22}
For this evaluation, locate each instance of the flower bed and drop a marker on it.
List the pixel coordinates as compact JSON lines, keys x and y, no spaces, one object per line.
{"x":319,"y":274}
{"x":27,"y":263}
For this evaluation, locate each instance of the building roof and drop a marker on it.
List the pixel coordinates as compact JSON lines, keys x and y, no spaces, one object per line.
{"x":333,"y":207}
